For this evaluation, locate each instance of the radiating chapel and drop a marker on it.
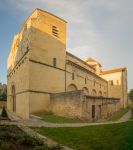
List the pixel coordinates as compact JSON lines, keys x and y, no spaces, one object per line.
{"x":44,"y":77}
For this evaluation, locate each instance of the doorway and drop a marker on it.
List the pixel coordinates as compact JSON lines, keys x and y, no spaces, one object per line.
{"x":93,"y":111}
{"x":100,"y":111}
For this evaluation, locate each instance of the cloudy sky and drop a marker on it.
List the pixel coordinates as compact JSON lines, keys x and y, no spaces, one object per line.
{"x":102,"y":29}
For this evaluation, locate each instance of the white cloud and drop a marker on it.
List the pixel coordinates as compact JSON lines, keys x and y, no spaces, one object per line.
{"x":99,"y":24}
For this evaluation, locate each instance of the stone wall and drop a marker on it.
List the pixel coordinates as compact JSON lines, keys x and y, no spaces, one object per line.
{"x":39,"y":102}
{"x":67,"y":104}
{"x":84,"y":77}
{"x":19,"y":79}
{"x":75,"y":104}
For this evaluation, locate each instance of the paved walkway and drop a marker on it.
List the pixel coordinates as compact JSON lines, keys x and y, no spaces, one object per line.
{"x":126,"y":117}
{"x":36,"y":122}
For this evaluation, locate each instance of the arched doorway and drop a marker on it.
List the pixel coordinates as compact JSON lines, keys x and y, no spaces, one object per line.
{"x":85,"y":91}
{"x":72,"y":87}
{"x":13,"y":98}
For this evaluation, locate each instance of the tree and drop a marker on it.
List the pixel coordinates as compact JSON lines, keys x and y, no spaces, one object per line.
{"x":3,"y":92}
{"x":130,"y":95}
{"x":4,"y":113}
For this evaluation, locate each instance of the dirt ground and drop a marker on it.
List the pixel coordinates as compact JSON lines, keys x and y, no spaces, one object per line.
{"x":13,"y":138}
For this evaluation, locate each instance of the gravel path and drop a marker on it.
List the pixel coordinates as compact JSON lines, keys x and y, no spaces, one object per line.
{"x":36,"y":122}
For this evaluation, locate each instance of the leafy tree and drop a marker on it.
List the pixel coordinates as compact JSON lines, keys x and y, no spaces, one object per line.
{"x":130,"y":95}
{"x":3,"y":92}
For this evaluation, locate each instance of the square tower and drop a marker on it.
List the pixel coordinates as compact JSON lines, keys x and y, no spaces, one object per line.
{"x":36,"y":63}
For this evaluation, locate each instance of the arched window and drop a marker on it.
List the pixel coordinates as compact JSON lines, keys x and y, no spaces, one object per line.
{"x":94,"y":93}
{"x":105,"y":94}
{"x":85,"y":80}
{"x":100,"y":93}
{"x":73,"y":76}
{"x":111,"y":82}
{"x":13,"y":90}
{"x":94,"y":82}
{"x":54,"y":62}
{"x":85,"y":90}
{"x":72,"y":87}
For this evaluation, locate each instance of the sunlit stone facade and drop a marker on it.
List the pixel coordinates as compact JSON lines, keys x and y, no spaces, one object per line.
{"x":44,"y":77}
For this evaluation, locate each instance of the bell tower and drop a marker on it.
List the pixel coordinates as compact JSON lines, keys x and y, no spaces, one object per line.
{"x":48,"y":42}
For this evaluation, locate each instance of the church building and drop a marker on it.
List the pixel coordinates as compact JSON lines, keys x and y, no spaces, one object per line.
{"x":44,"y":77}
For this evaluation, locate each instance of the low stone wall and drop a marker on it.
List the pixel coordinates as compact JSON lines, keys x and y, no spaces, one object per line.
{"x":104,"y":106}
{"x":67,"y":104}
{"x":2,"y":104}
{"x":76,"y":104}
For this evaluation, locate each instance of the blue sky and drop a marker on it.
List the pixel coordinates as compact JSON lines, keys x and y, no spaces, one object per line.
{"x":102,"y":29}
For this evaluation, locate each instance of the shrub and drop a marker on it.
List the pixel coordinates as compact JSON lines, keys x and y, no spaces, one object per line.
{"x":4,"y":145}
{"x":131,"y":107}
{"x":4,"y":113}
{"x":38,"y":144}
{"x":28,"y":140}
{"x":57,"y":147}
{"x":5,"y":135}
{"x":46,"y":147}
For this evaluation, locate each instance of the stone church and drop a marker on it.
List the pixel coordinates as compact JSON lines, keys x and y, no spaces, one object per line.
{"x":44,"y":77}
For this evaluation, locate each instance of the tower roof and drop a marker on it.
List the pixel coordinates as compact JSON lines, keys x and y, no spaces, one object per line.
{"x":90,"y":60}
{"x":38,"y":9}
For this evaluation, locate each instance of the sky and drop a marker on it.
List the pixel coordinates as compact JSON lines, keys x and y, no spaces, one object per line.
{"x":101,"y":29}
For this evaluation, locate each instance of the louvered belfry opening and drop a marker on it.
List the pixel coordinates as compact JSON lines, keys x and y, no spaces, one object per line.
{"x":55,"y":31}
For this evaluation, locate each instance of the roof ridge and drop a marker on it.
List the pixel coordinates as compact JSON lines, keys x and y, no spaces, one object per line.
{"x":114,"y":70}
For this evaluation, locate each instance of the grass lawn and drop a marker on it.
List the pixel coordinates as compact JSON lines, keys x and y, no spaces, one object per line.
{"x":102,"y":137}
{"x":57,"y":119}
{"x":119,"y":114}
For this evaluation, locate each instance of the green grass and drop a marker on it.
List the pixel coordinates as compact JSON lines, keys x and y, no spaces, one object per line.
{"x":58,"y":119}
{"x":119,"y":114}
{"x":102,"y":137}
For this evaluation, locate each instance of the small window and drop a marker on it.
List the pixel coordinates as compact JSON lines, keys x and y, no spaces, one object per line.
{"x":54,"y":62}
{"x":55,"y":31}
{"x":85,"y":80}
{"x":73,"y":76}
{"x":111,"y":82}
{"x":100,"y":85}
{"x":94,"y":82}
{"x":117,"y":82}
